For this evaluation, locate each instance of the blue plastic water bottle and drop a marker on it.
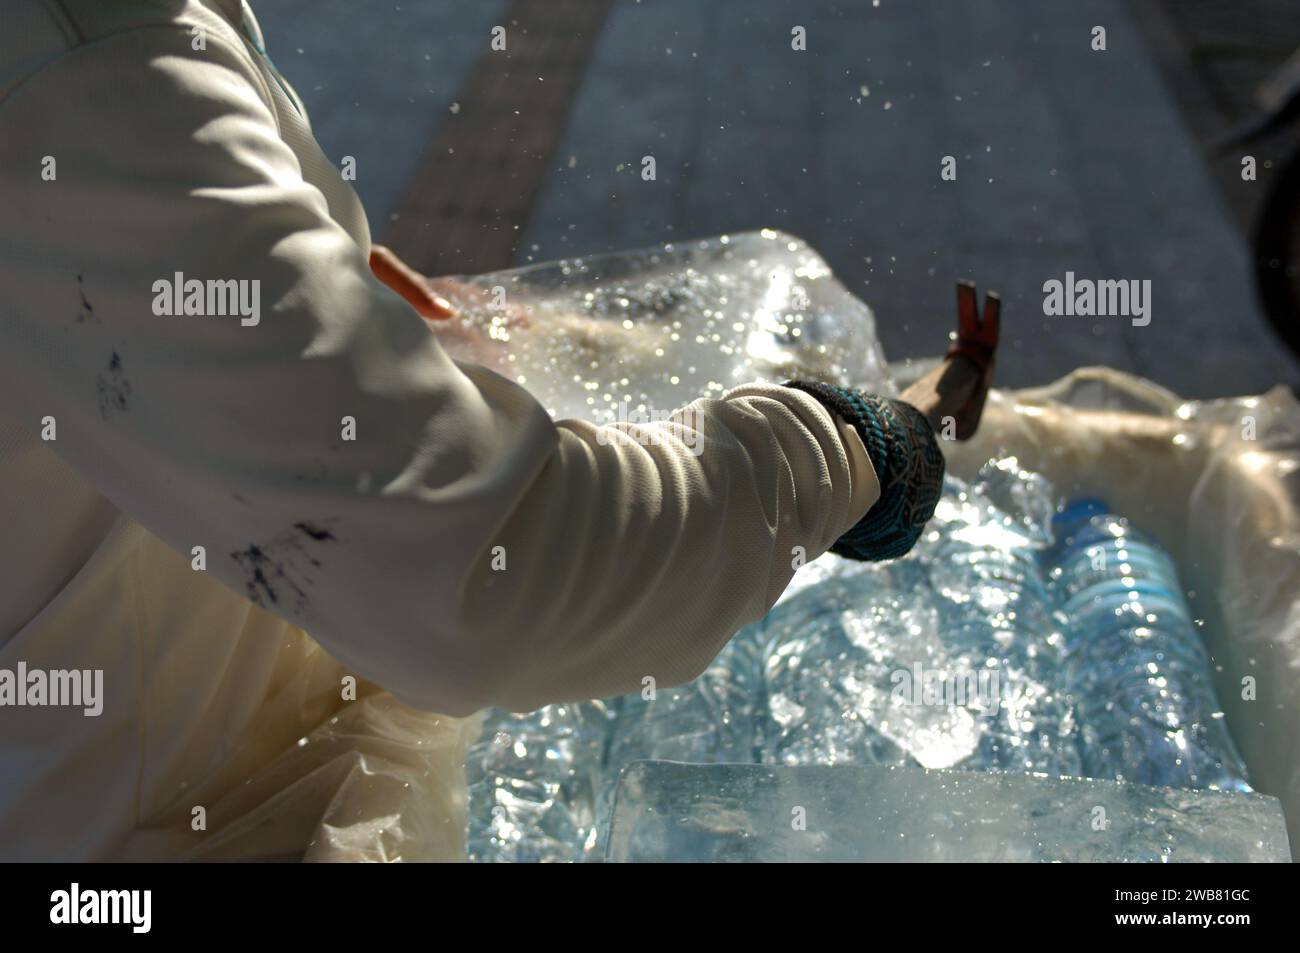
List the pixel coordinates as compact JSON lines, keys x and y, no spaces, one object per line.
{"x":1135,"y":668}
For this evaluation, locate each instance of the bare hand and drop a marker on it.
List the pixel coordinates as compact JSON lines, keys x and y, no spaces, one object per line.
{"x":409,"y":283}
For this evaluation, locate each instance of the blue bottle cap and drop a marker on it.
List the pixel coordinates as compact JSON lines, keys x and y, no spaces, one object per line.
{"x":1077,"y":512}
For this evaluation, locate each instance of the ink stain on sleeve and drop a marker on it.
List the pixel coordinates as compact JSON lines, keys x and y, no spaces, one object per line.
{"x":265,"y":578}
{"x":86,"y":312}
{"x":278,"y":573}
{"x":112,"y":387}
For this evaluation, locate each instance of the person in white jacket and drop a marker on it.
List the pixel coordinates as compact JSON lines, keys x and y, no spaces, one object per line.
{"x":336,"y":469}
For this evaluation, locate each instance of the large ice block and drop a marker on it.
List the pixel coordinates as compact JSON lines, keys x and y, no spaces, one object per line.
{"x":666,"y":811}
{"x":533,"y":780}
{"x":851,"y":651}
{"x":639,"y":334}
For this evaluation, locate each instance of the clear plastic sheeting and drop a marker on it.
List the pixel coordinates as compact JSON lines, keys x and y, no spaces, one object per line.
{"x":638,"y":335}
{"x":666,"y":811}
{"x":314,"y":776}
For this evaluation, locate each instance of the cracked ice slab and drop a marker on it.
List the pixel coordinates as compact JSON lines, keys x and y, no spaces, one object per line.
{"x":667,"y":811}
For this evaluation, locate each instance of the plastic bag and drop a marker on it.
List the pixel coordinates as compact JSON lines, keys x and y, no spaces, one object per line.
{"x":654,"y":329}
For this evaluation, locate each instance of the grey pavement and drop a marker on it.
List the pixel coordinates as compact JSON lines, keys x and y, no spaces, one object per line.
{"x":1067,"y":159}
{"x":376,"y":78}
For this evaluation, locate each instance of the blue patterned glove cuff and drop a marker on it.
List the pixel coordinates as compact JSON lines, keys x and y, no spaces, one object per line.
{"x":908,"y":463}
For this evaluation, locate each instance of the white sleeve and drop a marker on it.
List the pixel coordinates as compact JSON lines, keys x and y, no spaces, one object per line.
{"x":628,"y":551}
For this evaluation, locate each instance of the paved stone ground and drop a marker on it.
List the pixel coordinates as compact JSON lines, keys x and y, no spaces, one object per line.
{"x":377,"y":79}
{"x":477,"y":183}
{"x":1215,"y":55}
{"x":1068,"y":159}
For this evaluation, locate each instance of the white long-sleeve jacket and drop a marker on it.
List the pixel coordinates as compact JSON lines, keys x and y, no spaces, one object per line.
{"x":338,"y":469}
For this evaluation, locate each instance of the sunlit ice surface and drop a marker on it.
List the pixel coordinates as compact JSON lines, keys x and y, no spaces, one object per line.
{"x":857,"y":663}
